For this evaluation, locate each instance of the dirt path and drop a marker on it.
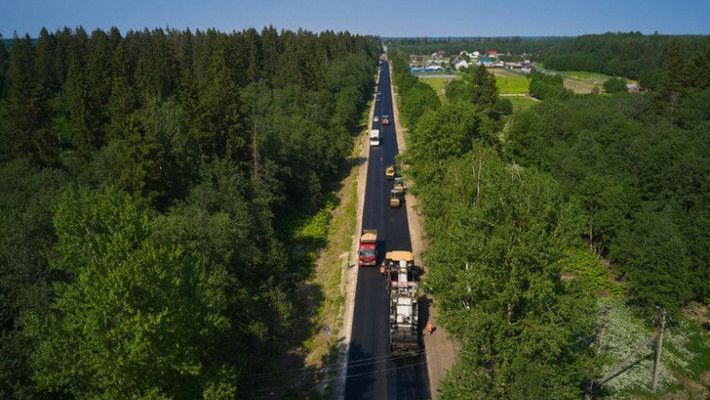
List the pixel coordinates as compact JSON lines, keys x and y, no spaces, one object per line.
{"x":440,"y":349}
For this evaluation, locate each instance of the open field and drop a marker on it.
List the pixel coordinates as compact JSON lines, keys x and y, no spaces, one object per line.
{"x":584,"y":82}
{"x":521,"y":103}
{"x":509,"y":82}
{"x":438,"y":83}
{"x":512,"y":84}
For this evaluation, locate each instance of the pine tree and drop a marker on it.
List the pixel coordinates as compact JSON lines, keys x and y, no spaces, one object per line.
{"x":122,"y":100}
{"x":29,"y":116}
{"x":3,"y":66}
{"x":45,"y":56}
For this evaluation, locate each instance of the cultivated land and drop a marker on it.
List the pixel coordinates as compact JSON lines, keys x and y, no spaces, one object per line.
{"x":583,"y":82}
{"x":509,"y":82}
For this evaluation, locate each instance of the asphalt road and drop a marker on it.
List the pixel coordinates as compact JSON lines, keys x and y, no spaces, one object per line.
{"x":372,"y":373}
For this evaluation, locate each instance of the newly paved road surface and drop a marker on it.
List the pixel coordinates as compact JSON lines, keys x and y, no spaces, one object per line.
{"x":372,"y":373}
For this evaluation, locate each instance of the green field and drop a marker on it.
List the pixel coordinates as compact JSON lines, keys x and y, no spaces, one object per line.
{"x":438,"y":84}
{"x":512,"y":84}
{"x":521,"y":103}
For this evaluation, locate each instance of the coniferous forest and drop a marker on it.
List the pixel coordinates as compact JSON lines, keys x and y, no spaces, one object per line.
{"x":147,"y":179}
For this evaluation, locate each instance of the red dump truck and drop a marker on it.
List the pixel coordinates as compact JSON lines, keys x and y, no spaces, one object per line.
{"x":368,"y":248}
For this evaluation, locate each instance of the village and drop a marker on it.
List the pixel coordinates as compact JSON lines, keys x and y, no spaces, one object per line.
{"x":440,"y":61}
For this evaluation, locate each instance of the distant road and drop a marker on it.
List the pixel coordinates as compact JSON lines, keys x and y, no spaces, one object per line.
{"x":426,"y":76}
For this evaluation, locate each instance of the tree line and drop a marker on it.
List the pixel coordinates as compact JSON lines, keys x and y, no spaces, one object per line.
{"x":149,"y":179}
{"x":631,"y":55}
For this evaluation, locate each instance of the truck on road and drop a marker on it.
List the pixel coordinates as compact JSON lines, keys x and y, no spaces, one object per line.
{"x":367,"y":253}
{"x":399,"y":268}
{"x":374,"y":137}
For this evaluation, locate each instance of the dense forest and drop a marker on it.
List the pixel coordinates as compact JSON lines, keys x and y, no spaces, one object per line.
{"x":637,"y":166}
{"x":148,"y":180}
{"x":538,"y":220}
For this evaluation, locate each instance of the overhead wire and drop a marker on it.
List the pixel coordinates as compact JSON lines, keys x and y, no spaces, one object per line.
{"x":354,"y":364}
{"x":294,"y":386}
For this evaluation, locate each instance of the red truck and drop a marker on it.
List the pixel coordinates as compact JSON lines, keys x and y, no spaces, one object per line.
{"x":367,"y":254}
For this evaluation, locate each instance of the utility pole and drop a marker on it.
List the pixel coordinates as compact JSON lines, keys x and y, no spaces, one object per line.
{"x":659,"y":349}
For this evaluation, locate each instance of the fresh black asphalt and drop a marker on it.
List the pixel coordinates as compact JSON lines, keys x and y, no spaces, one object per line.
{"x":372,"y":373}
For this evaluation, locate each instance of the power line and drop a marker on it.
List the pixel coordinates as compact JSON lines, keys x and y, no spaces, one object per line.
{"x":273,"y":388}
{"x":354,"y":364}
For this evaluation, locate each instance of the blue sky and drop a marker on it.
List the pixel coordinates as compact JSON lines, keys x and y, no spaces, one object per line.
{"x":382,"y":17}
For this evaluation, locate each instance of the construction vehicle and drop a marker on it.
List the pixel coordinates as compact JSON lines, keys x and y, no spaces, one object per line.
{"x":399,"y":184}
{"x":367,"y":254}
{"x":404,"y":307}
{"x":397,"y":192}
{"x":385,"y":119}
{"x":390,"y":172}
{"x":374,"y":137}
{"x":395,"y":198}
{"x":376,"y":119}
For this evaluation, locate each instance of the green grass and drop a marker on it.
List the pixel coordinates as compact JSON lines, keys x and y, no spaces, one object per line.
{"x":512,"y":84}
{"x":521,"y":103}
{"x":438,"y":84}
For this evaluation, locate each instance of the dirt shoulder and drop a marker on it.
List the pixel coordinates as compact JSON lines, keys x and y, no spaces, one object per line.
{"x":440,"y":348}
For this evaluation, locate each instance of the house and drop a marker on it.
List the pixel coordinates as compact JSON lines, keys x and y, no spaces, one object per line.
{"x":492,"y":54}
{"x":526,"y":67}
{"x":633,"y":87}
{"x":416,"y":60}
{"x":460,"y":64}
{"x":489,"y":62}
{"x":475,"y":54}
{"x":512,"y":65}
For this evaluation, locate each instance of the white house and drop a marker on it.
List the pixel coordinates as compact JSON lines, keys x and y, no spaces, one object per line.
{"x":461,"y":63}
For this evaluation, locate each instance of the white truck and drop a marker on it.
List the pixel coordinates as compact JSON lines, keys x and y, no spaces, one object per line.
{"x":374,"y":137}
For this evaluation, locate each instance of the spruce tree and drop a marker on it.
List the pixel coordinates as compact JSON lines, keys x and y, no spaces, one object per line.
{"x":29,"y":117}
